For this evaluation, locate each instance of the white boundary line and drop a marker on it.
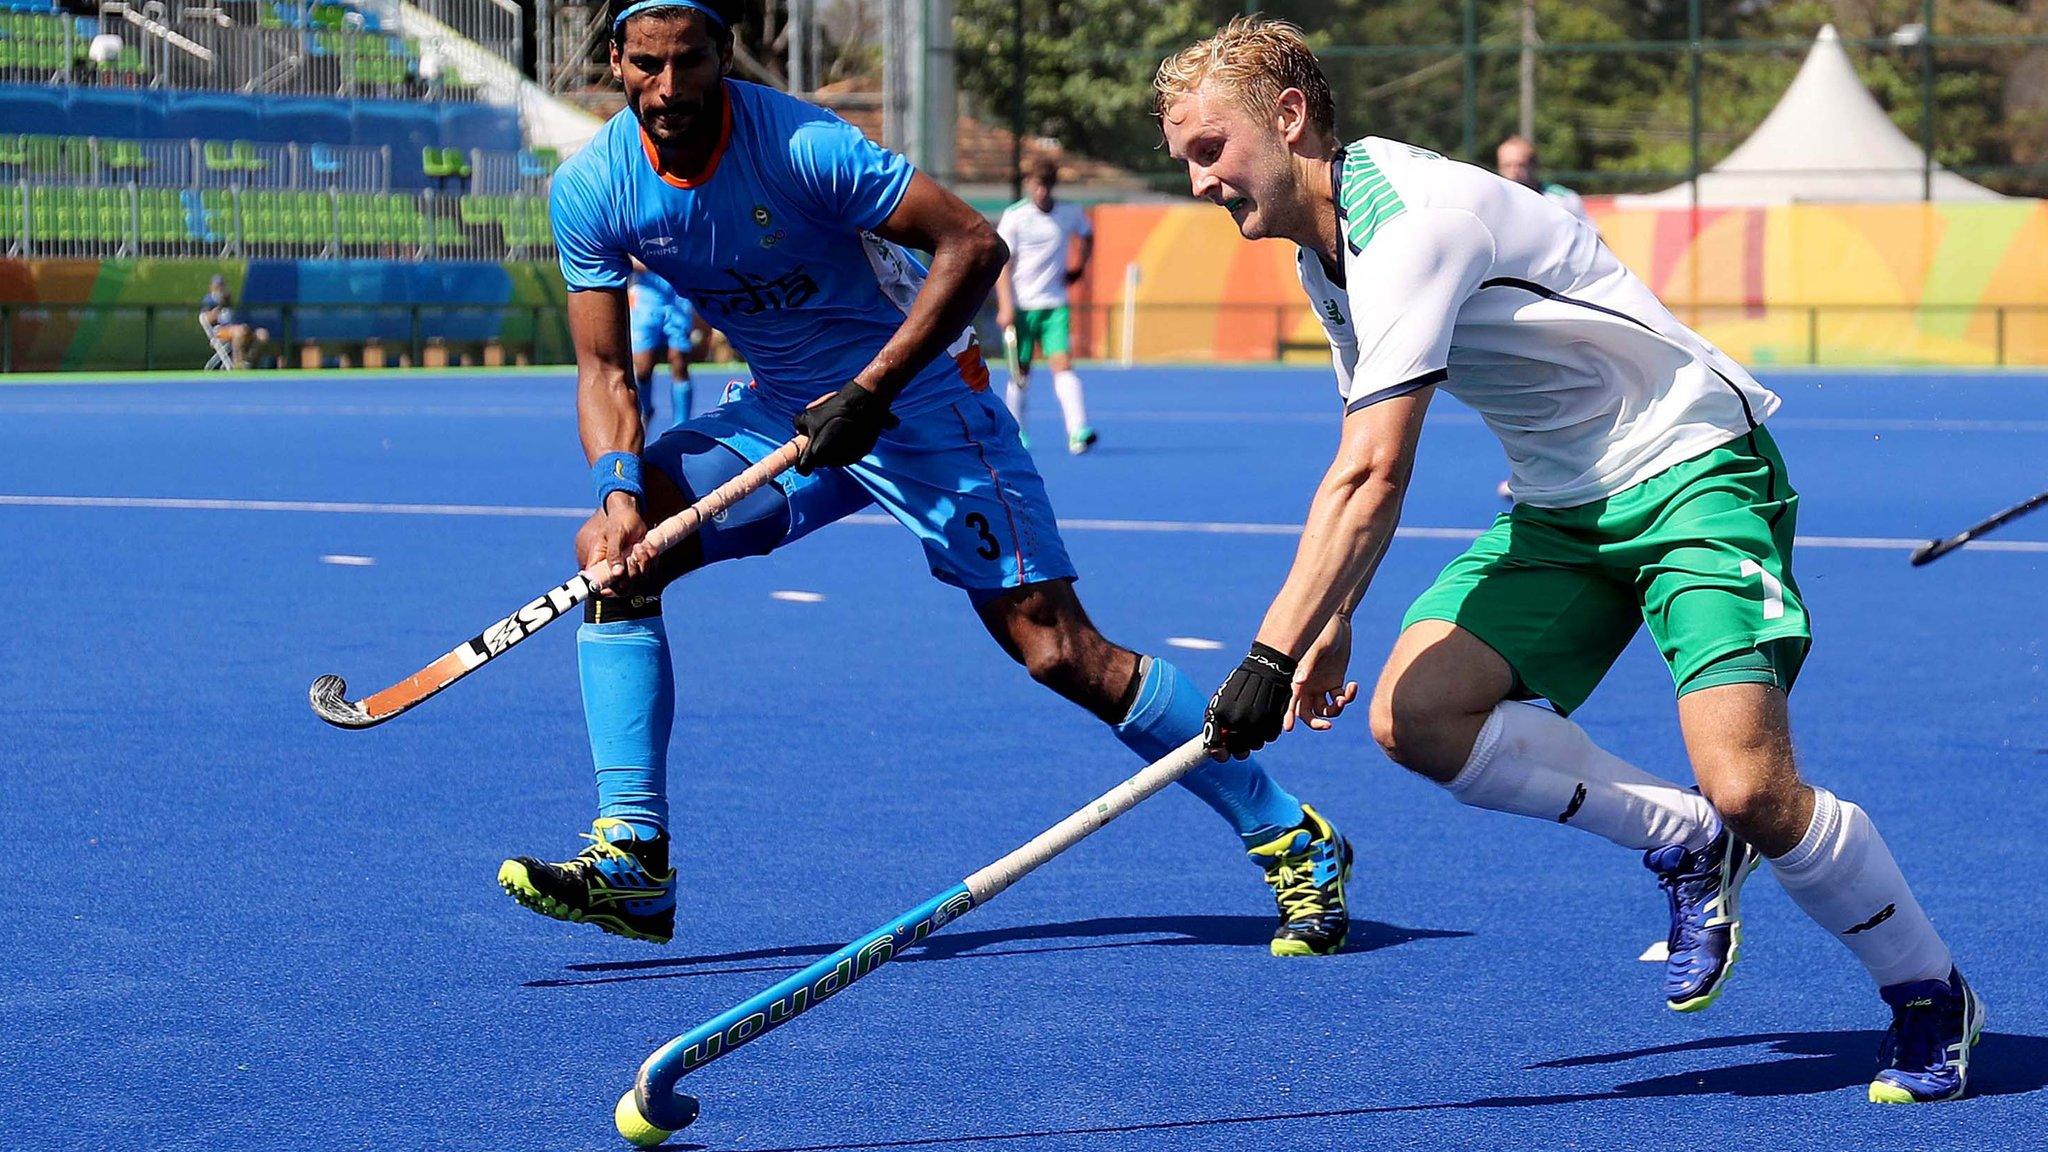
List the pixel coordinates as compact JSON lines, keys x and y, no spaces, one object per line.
{"x":1072,"y":524}
{"x":500,"y":410}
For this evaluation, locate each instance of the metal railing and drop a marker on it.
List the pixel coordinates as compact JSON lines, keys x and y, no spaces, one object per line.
{"x":126,"y":222}
{"x":245,"y":46}
{"x":123,"y":337}
{"x":1763,"y":335}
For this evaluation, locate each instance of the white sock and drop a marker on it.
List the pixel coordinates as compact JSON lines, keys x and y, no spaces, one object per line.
{"x":1530,"y":761}
{"x":1067,"y":386}
{"x":1842,"y":873}
{"x":1014,"y":397}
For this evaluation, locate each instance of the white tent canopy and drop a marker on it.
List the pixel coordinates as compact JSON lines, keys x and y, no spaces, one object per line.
{"x":1827,"y":140}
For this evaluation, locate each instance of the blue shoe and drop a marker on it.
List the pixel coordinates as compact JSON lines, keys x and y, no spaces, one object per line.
{"x":1306,"y":866}
{"x":621,"y":883}
{"x":1704,"y":889}
{"x":1925,"y":1054}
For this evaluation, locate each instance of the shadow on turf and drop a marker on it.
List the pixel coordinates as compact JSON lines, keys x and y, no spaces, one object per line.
{"x":2003,"y":1064}
{"x":2006,"y":1065}
{"x":1152,"y":932}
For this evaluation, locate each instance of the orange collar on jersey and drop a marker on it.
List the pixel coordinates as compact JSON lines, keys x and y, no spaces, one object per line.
{"x":699,"y":178}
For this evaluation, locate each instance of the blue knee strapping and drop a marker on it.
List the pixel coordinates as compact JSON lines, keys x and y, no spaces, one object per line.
{"x":1168,"y":713}
{"x":629,"y":706}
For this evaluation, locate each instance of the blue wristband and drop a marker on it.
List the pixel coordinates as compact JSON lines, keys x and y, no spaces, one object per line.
{"x":615,"y":472}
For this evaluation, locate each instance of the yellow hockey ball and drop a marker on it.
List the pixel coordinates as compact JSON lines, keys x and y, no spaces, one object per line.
{"x":633,"y":1126}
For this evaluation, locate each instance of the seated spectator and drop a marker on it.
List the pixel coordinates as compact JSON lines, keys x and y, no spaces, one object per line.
{"x":217,"y":314}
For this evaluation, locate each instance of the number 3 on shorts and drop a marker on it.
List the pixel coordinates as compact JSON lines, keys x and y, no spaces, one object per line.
{"x":1774,"y":591}
{"x":989,"y":548}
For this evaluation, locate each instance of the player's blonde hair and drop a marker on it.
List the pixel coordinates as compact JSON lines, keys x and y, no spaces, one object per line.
{"x":1254,"y":59}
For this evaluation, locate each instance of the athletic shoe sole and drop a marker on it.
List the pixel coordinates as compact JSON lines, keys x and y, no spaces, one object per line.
{"x":1886,"y":1092}
{"x":518,"y":884}
{"x":1705,"y":1000}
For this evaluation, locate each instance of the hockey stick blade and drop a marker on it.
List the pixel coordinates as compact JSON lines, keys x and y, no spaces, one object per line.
{"x":329,"y":694}
{"x":658,"y":1109}
{"x":1936,"y":549}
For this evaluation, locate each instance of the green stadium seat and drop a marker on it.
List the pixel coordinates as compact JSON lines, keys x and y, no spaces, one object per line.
{"x":42,"y":213}
{"x":45,"y":154}
{"x":69,"y":228}
{"x":13,"y":152}
{"x":219,"y":156}
{"x":246,"y":159}
{"x":123,"y":156}
{"x":476,"y":211}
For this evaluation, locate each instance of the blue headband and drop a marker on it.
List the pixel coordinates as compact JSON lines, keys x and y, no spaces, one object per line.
{"x":640,"y":6}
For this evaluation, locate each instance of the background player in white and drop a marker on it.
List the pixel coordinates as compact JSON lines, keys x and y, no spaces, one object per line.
{"x":1050,"y":243}
{"x":1648,"y":492}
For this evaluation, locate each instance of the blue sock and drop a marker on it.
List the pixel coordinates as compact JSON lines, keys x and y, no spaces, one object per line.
{"x":629,"y":706}
{"x":1168,"y":713}
{"x":679,"y":399}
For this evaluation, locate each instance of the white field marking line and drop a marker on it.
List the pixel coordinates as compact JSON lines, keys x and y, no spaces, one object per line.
{"x":343,"y":560}
{"x":115,"y":408}
{"x":796,"y":596}
{"x":1468,"y":419}
{"x":1197,"y":643}
{"x":342,"y":506}
{"x":1656,"y":953}
{"x":1076,"y":524}
{"x":1136,"y":416}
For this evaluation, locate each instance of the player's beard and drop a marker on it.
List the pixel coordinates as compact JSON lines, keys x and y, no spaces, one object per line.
{"x":680,"y":126}
{"x":1274,"y":194}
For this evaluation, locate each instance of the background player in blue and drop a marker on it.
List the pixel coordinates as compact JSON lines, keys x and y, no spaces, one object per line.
{"x":663,"y":322}
{"x":791,"y":233}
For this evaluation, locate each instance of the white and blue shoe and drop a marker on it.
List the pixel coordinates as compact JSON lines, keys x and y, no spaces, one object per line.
{"x":1704,"y":890}
{"x":1925,"y":1054}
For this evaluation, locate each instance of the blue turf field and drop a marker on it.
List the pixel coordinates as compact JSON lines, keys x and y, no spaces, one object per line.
{"x":225,"y":926}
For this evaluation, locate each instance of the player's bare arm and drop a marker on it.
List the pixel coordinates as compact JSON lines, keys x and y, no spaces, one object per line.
{"x":967,"y":257}
{"x":608,"y":412}
{"x":1296,"y":666}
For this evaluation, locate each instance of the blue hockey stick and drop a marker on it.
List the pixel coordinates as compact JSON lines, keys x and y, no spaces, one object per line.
{"x":653,"y":1110}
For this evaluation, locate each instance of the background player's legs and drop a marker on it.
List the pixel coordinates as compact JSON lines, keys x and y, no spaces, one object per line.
{"x":643,"y":380}
{"x":1441,"y":710}
{"x":1825,"y":851}
{"x":1066,"y":384}
{"x":1056,"y":338}
{"x":679,"y":383}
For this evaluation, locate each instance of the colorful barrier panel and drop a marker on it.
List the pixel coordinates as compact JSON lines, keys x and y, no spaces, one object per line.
{"x":87,"y":315}
{"x":1946,"y":284}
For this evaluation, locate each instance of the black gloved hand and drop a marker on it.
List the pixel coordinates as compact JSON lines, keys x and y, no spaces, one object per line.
{"x":843,"y":427}
{"x":1246,"y":713}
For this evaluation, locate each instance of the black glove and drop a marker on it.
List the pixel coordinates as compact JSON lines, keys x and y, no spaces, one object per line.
{"x":1246,"y":713}
{"x":842,"y":428}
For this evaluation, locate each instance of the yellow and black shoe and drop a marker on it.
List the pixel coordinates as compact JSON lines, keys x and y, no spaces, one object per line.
{"x":1306,"y":867}
{"x":621,"y":882}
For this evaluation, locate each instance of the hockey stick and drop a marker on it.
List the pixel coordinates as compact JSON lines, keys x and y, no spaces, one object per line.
{"x":1011,"y":359}
{"x":329,"y":694}
{"x":653,"y":1110}
{"x":1936,"y":549}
